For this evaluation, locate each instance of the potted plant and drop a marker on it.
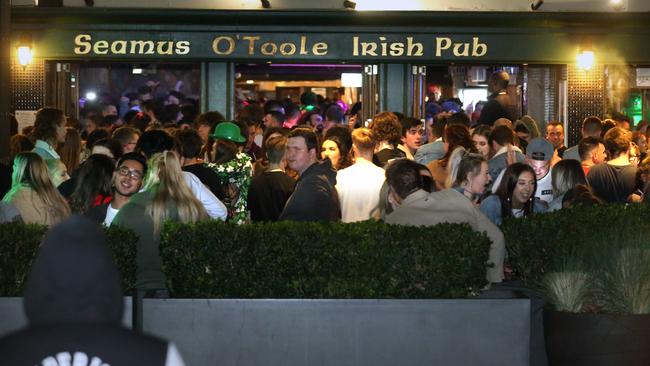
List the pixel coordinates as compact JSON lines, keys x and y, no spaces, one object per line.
{"x":595,"y":279}
{"x":599,"y":311}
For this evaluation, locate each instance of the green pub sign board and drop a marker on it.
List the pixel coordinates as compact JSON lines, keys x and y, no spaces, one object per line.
{"x":335,"y":46}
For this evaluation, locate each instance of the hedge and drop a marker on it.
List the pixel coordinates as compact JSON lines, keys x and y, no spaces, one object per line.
{"x":323,"y":260}
{"x":538,"y":244}
{"x":19,"y":245}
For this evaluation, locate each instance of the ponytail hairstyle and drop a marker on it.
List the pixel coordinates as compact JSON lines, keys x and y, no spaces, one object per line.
{"x":470,"y":163}
{"x":165,"y":180}
{"x":30,"y":171}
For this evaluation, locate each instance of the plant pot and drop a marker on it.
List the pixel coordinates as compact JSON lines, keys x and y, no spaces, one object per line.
{"x":577,"y":339}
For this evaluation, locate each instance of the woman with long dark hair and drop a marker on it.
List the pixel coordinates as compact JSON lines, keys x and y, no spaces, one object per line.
{"x":515,"y":196}
{"x":338,"y":153}
{"x":93,"y":183}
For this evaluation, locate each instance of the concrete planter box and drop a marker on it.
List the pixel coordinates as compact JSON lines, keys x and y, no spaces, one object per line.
{"x":331,"y":332}
{"x":344,"y":332}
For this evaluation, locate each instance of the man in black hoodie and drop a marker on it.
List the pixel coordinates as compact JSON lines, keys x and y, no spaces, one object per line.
{"x":74,"y":306}
{"x":314,"y":198}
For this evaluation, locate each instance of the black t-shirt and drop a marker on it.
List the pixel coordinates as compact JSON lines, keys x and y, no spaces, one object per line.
{"x":612,"y":183}
{"x":384,"y":156}
{"x":208,"y":177}
{"x":268,"y":194}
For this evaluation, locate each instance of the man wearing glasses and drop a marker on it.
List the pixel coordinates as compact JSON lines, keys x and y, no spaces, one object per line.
{"x":127,"y":181}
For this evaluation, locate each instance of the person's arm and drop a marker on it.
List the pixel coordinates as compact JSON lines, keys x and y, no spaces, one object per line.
{"x":491,"y":208}
{"x":497,"y":249}
{"x":215,"y":208}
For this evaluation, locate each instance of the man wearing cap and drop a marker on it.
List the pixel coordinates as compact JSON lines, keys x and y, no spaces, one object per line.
{"x":499,"y":104}
{"x":539,"y":155}
{"x":314,"y":198}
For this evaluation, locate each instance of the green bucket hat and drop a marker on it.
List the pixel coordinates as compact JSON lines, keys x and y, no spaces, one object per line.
{"x":228,"y":131}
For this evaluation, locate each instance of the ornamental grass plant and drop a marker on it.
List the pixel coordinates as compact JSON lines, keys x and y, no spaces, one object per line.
{"x":586,"y":259}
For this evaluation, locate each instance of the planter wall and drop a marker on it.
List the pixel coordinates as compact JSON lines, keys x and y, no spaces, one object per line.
{"x":597,"y":339}
{"x":343,"y":332}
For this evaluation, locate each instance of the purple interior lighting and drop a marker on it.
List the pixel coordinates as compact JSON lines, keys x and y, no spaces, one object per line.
{"x":313,"y":65}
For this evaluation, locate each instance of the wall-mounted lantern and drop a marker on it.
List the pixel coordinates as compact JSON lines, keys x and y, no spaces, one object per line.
{"x":25,"y":50}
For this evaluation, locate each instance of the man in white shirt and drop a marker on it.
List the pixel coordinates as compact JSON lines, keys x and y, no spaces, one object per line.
{"x":539,"y":154}
{"x":358,"y":185}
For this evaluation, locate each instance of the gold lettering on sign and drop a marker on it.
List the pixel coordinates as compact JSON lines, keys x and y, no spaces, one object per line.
{"x":82,"y":41}
{"x":387,"y":48}
{"x":142,"y":47}
{"x":84,"y":45}
{"x":476,"y":46}
{"x":442,"y":43}
{"x":417,"y":47}
{"x":303,"y":45}
{"x":269,"y":49}
{"x":251,"y":43}
{"x":118,"y":48}
{"x":183,"y":47}
{"x":287,"y":52}
{"x":100,"y":47}
{"x":161,"y":48}
{"x":319,"y":49}
{"x":216,"y":44}
{"x":397,"y":49}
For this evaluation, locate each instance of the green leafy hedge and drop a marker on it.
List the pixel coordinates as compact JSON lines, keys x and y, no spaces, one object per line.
{"x":320,"y":260}
{"x":19,"y":245}
{"x":543,"y":243}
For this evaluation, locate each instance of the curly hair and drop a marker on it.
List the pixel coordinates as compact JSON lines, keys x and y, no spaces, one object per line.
{"x":387,"y":127}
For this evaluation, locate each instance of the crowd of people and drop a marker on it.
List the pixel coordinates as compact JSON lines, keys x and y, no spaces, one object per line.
{"x":313,"y":161}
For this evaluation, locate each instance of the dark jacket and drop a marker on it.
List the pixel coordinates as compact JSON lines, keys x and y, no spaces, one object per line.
{"x":498,"y":106}
{"x":315,"y":198}
{"x":74,"y":305}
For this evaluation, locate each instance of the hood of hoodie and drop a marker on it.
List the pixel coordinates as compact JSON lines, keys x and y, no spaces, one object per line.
{"x":73,"y":279}
{"x":321,"y":168}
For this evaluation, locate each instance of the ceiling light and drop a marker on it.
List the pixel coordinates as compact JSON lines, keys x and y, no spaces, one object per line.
{"x":349,"y":4}
{"x":617,"y":4}
{"x":586,"y":59}
{"x":536,"y":4}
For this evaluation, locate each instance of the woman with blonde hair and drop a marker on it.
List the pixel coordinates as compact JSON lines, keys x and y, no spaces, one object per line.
{"x":32,"y":191}
{"x":165,"y":197}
